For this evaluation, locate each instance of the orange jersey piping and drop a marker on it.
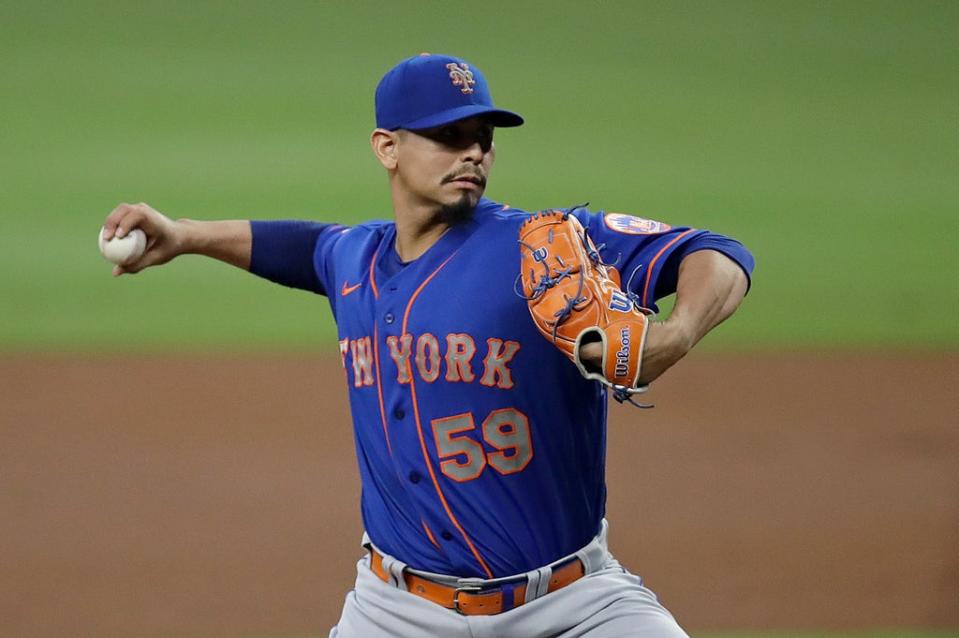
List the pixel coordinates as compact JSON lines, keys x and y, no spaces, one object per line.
{"x":376,"y":292}
{"x":652,"y":262}
{"x":419,"y":432}
{"x":379,"y":388}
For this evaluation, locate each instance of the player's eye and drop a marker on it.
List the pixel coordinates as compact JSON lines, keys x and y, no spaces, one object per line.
{"x":459,"y":137}
{"x":447,"y":135}
{"x":485,"y":138}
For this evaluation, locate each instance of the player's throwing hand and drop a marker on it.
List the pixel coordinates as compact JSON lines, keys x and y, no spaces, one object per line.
{"x":164,"y":242}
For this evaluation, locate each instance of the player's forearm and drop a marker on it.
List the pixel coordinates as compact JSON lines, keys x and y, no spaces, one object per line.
{"x":166,"y":239}
{"x":229,"y":241}
{"x":709,"y":289}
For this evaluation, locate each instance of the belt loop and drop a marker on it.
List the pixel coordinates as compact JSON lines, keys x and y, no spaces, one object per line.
{"x":596,"y":554}
{"x":603,"y":534}
{"x":588,"y":558}
{"x":395,"y":569}
{"x":537,"y":583}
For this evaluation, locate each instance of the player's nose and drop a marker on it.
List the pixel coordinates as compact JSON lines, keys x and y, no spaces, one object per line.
{"x":475,"y":152}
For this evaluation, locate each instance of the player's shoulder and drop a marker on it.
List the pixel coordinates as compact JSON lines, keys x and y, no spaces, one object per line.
{"x":364,"y":231}
{"x":616,"y":223}
{"x":501,"y":215}
{"x":496,"y":211}
{"x":370,"y":227}
{"x":623,"y":224}
{"x":491,"y":211}
{"x":342,"y":243}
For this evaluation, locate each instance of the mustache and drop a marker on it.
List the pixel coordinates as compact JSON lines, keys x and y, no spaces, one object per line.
{"x":479,"y":177}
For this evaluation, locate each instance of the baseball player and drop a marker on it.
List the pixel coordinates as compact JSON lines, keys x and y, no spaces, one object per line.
{"x":480,"y":433}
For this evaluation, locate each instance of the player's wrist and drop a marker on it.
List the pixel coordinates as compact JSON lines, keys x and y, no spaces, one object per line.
{"x":676,"y":335}
{"x":187,"y":236}
{"x":666,"y":343}
{"x":592,"y":354}
{"x":230,"y":241}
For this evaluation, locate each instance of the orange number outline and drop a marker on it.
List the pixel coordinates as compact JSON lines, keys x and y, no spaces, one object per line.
{"x":519,"y":421}
{"x":475,"y":455}
{"x":447,"y":445}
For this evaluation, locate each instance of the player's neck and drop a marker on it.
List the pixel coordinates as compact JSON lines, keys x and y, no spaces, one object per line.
{"x":417,"y":229}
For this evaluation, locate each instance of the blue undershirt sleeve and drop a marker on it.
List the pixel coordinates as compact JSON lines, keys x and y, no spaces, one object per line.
{"x":283,"y":252}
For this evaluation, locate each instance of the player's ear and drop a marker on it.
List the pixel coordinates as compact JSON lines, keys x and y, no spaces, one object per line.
{"x":384,"y":144}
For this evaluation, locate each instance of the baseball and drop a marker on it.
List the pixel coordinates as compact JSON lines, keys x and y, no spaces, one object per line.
{"x":123,"y":250}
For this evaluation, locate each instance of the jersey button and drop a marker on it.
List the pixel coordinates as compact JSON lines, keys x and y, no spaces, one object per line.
{"x":389,"y":318}
{"x":399,"y":413}
{"x":446,"y":536}
{"x":415,"y":477}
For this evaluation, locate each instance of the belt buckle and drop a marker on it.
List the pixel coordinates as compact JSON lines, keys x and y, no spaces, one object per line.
{"x":456,"y":596}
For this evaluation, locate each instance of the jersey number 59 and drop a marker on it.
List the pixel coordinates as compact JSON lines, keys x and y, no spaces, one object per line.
{"x":506,"y":430}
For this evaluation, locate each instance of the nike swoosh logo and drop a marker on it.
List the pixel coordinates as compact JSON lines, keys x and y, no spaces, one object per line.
{"x":348,"y":289}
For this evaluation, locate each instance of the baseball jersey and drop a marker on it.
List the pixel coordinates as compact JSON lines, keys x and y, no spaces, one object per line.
{"x":481,"y":448}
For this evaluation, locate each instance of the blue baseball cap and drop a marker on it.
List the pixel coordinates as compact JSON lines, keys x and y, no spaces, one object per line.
{"x":431,"y":90}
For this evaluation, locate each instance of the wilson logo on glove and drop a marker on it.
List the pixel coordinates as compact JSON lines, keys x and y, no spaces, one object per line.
{"x":620,"y":302}
{"x":622,"y":355}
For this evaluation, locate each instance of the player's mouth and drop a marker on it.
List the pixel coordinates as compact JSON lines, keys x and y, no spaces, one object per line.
{"x":467,"y":180}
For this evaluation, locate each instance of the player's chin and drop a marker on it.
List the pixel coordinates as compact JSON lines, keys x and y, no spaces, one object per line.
{"x":468,"y":193}
{"x":459,"y":210}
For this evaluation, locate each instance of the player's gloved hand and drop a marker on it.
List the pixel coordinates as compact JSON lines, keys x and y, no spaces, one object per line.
{"x":576,"y":299}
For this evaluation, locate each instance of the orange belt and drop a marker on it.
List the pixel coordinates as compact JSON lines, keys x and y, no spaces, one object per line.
{"x":472,"y":600}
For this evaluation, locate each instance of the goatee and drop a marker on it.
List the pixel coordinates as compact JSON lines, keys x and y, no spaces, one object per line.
{"x":458,"y":213}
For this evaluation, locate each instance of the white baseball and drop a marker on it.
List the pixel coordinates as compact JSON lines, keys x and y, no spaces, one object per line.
{"x":123,"y":250}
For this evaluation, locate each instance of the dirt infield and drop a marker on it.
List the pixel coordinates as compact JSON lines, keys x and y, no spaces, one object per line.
{"x":218,"y":497}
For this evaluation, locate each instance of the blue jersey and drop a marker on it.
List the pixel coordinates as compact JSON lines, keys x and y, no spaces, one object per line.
{"x":481,"y":448}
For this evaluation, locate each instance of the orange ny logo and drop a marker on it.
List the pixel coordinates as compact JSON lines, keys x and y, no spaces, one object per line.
{"x":461,"y":76}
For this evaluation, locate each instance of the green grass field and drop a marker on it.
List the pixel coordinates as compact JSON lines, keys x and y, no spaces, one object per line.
{"x":823,"y":135}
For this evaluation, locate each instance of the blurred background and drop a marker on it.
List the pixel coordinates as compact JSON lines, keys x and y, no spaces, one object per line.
{"x":175,"y":448}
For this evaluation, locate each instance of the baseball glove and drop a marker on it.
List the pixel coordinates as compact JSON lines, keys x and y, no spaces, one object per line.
{"x":574,"y":298}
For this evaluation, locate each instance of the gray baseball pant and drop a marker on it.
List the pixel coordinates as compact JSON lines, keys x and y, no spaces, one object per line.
{"x":608,"y":602}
